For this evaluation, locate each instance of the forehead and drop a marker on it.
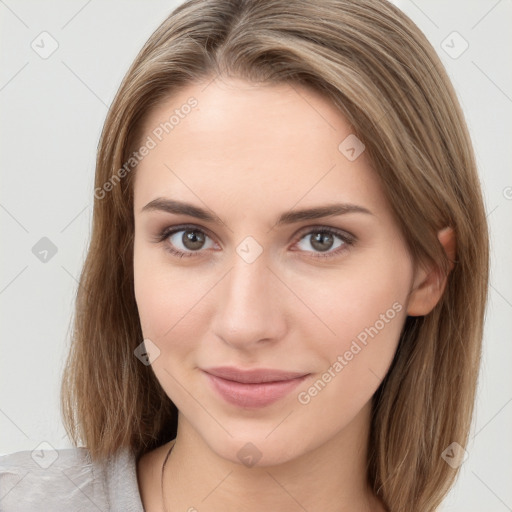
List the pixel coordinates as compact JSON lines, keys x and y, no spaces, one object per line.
{"x":251,"y":145}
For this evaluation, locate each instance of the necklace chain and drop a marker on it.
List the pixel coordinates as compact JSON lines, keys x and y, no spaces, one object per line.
{"x":162,"y":479}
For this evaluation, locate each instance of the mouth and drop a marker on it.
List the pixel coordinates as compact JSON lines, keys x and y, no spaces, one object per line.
{"x":252,"y":388}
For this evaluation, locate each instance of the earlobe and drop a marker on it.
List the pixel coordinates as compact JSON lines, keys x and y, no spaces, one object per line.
{"x":429,"y":283}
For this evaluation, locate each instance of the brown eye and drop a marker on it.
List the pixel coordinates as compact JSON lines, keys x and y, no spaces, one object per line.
{"x":325,"y":242}
{"x":322,"y":241}
{"x":186,"y":241}
{"x":193,"y":239}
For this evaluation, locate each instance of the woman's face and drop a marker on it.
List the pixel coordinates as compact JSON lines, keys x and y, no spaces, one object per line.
{"x":261,"y":285}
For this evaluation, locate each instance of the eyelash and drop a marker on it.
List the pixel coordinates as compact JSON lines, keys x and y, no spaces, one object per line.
{"x":346,"y":238}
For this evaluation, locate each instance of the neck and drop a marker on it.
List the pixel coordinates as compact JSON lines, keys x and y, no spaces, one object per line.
{"x":331,"y":477}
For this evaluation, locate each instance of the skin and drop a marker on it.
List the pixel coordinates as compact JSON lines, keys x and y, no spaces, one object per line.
{"x":249,"y":153}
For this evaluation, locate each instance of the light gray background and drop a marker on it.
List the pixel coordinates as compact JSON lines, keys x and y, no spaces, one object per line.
{"x":52,"y":111}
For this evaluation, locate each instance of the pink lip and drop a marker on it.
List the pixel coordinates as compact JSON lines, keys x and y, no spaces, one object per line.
{"x":252,"y":388}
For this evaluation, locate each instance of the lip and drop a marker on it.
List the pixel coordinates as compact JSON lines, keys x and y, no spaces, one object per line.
{"x":252,"y":388}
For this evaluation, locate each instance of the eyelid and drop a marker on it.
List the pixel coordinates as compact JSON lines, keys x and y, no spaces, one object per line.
{"x":170,"y":230}
{"x":164,"y":233}
{"x":347,"y":238}
{"x":343,"y":234}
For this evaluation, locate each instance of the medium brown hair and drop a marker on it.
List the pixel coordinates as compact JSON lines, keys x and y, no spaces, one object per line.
{"x":386,"y":79}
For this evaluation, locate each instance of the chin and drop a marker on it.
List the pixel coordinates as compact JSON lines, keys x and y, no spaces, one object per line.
{"x":257,"y":449}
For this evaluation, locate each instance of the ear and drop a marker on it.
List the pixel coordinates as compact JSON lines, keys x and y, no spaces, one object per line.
{"x":429,"y":283}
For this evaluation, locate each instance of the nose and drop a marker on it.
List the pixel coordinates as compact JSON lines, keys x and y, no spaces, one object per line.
{"x":252,"y":306}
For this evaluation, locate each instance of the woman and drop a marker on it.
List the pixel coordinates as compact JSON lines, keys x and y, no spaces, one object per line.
{"x":283,"y":298}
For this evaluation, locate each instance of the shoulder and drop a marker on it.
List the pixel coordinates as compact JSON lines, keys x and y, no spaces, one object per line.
{"x":67,"y":479}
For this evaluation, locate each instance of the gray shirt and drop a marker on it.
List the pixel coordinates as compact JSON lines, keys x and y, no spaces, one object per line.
{"x":68,"y":481}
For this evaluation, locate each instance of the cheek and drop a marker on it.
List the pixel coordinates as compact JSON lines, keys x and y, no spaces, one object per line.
{"x":158,"y":293}
{"x":152,"y":300}
{"x":166,"y":299}
{"x":364,"y":300}
{"x":367,"y":322}
{"x":366,"y":309}
{"x":373,"y":308}
{"x":170,"y":299}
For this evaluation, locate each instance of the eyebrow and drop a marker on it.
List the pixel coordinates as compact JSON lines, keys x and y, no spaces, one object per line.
{"x":290,"y":217}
